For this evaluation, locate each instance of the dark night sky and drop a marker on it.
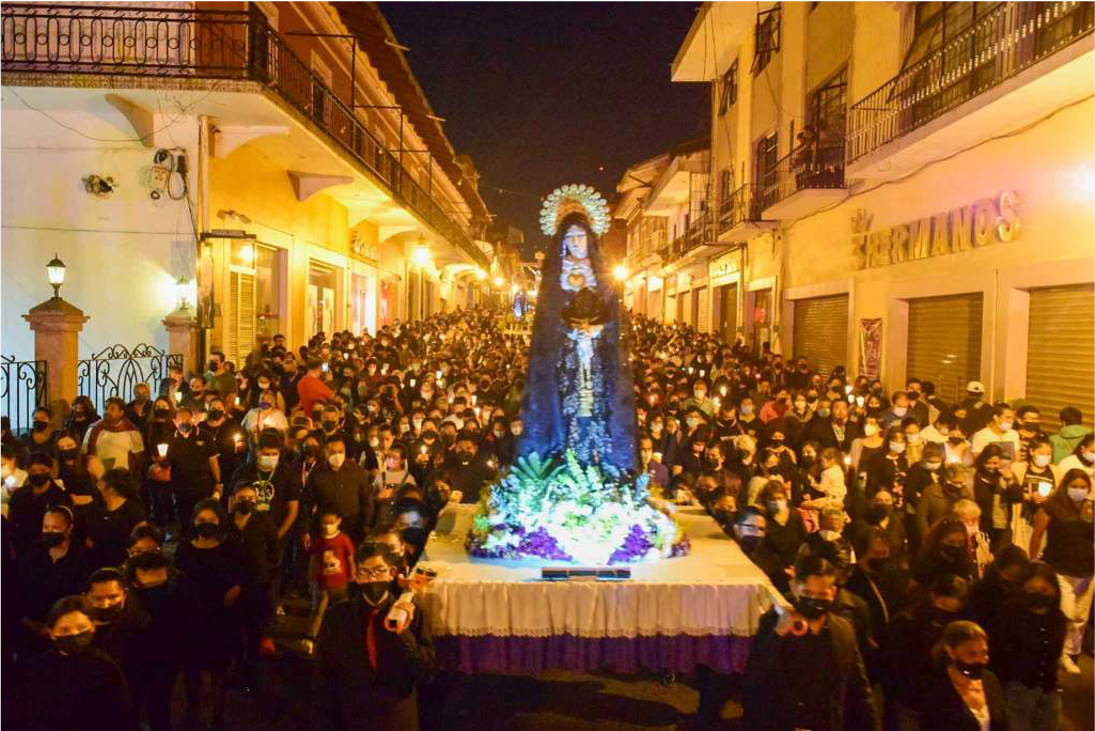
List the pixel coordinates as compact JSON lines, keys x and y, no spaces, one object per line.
{"x":543,"y":94}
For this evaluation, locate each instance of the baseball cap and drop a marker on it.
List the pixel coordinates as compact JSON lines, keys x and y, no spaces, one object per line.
{"x":975,"y":387}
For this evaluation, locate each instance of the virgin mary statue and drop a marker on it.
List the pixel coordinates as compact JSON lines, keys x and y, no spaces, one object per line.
{"x":578,"y":395}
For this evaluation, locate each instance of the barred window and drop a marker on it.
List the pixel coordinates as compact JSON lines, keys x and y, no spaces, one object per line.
{"x":729,"y":89}
{"x":767,"y":34}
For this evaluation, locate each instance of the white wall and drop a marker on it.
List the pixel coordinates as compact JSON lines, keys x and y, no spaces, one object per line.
{"x":123,"y":254}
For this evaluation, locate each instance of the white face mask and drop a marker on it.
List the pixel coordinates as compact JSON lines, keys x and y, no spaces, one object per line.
{"x":870,"y":430}
{"x":1077,"y":494}
{"x":900,"y":410}
{"x":267,"y":463}
{"x":913,"y":438}
{"x":374,"y":442}
{"x":897,"y":447}
{"x":1006,"y":426}
{"x":336,"y":459}
{"x":1041,"y":460}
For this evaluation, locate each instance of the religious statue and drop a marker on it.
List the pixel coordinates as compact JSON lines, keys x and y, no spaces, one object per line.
{"x":579,"y":394}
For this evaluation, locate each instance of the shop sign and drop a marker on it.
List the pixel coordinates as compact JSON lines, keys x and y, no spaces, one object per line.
{"x":724,"y":267}
{"x":984,"y":222}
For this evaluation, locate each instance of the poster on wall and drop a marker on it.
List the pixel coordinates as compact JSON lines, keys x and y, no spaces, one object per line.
{"x":870,"y":347}
{"x":312,"y":305}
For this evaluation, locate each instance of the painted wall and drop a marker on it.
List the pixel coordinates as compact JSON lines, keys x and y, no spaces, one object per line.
{"x":123,"y":254}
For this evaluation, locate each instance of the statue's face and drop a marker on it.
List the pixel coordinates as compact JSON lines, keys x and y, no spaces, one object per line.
{"x":575,"y":242}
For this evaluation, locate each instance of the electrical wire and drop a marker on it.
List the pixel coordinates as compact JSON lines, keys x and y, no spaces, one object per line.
{"x":182,"y":113}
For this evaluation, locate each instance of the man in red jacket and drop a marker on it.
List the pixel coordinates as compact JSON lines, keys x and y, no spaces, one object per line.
{"x":311,"y":387}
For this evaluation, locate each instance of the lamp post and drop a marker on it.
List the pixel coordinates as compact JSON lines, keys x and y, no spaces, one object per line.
{"x":55,"y":271}
{"x":182,"y":292}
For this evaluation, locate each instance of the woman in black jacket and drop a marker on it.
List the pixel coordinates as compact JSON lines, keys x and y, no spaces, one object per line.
{"x":995,"y":490}
{"x":1002,"y":580}
{"x":72,"y":685}
{"x":962,"y":694}
{"x":1027,"y":638}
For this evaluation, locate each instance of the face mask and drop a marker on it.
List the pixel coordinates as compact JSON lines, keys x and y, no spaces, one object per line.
{"x":245,"y":507}
{"x":159,"y":413}
{"x":870,"y":430}
{"x":74,"y":644}
{"x":933,"y":466}
{"x":336,"y":459}
{"x":972,"y":670}
{"x":39,"y":480}
{"x":40,"y":425}
{"x":206,"y":530}
{"x":81,"y":416}
{"x":746,"y":410}
{"x":415,"y":536}
{"x":812,"y":608}
{"x":108,"y":614}
{"x":1077,"y":494}
{"x":404,"y":428}
{"x":700,"y":395}
{"x":777,"y":506}
{"x":800,"y":406}
{"x":329,"y":425}
{"x":897,"y":447}
{"x":464,"y":458}
{"x":656,"y":427}
{"x":955,"y":441}
{"x":777,"y":443}
{"x":749,"y":543}
{"x":267,"y":462}
{"x":1006,"y":425}
{"x":913,"y":438}
{"x":374,"y":442}
{"x":1087,"y":457}
{"x":185,"y":427}
{"x":448,"y":439}
{"x":312,"y":450}
{"x":516,"y":431}
{"x":1041,"y":460}
{"x":52,"y":540}
{"x":692,"y":423}
{"x":811,"y":398}
{"x":1038,"y":600}
{"x":881,"y":512}
{"x":877,"y":565}
{"x":824,"y":413}
{"x":330,"y":530}
{"x":900,"y":410}
{"x":67,"y":454}
{"x":374,"y":591}
{"x":499,"y":433}
{"x":952,"y":553}
{"x":216,"y":414}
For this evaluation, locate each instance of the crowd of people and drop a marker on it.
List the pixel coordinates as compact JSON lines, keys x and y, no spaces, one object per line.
{"x":936,"y":558}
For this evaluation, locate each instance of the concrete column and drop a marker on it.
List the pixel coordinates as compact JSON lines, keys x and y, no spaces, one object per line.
{"x":56,"y":325}
{"x":182,"y":337}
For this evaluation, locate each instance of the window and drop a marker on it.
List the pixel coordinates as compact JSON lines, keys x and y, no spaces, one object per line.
{"x":935,"y":23}
{"x":826,"y":110}
{"x":765,"y":157}
{"x":767,"y":38}
{"x":729,"y":93}
{"x":726,"y":184}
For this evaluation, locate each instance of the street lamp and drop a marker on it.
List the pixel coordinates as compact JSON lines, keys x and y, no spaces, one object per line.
{"x":498,"y":281}
{"x":422,"y":255}
{"x":621,"y":272}
{"x":480,"y":274}
{"x":55,"y":271}
{"x":182,"y":292}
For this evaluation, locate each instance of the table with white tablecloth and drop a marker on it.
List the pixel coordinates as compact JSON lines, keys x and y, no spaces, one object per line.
{"x":672,"y":614}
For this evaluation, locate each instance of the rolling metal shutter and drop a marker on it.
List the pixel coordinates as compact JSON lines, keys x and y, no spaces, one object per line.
{"x":684,"y":309}
{"x":1061,"y":351}
{"x":700,"y":307}
{"x":653,"y":305}
{"x":728,"y":312}
{"x":821,"y":331}
{"x":945,"y":342}
{"x":670,"y":307}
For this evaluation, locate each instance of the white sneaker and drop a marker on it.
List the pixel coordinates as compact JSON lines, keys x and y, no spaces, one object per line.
{"x":1069,"y":665}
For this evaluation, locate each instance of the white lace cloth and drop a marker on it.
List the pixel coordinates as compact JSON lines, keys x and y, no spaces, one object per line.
{"x":714,"y":590}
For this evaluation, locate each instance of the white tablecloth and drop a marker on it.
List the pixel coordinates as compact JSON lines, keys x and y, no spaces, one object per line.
{"x":714,"y":590}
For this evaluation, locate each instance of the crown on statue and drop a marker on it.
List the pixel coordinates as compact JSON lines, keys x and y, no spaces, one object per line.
{"x":569,"y":199}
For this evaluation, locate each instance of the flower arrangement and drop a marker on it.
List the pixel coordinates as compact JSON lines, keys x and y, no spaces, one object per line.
{"x":566,"y":512}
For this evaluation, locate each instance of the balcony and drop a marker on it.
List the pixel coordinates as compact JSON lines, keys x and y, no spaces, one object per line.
{"x":51,"y":42}
{"x":700,"y":234}
{"x":740,"y":216}
{"x":803,"y":182}
{"x":1016,"y":64}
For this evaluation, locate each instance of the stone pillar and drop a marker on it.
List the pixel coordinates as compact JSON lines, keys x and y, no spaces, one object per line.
{"x":182,"y":336}
{"x":57,"y":325}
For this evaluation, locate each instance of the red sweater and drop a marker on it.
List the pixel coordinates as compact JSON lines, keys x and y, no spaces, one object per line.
{"x":311,"y":391}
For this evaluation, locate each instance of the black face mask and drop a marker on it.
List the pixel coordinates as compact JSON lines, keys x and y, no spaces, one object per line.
{"x":812,"y":608}
{"x":161,"y":413}
{"x":312,"y":450}
{"x":448,"y":439}
{"x":329,"y":425}
{"x":185,"y":427}
{"x":52,"y":540}
{"x":40,"y":425}
{"x":245,"y":508}
{"x":415,"y":536}
{"x":955,"y":441}
{"x":81,"y":416}
{"x":1037,"y":600}
{"x":878,"y":565}
{"x":207,"y":530}
{"x":39,"y":480}
{"x":954,"y":554}
{"x":880,"y":512}
{"x":108,"y":614}
{"x":972,"y":670}
{"x":749,"y":544}
{"x":67,"y":454}
{"x":215,"y":414}
{"x":74,"y":644}
{"x":374,"y":591}
{"x":464,"y":458}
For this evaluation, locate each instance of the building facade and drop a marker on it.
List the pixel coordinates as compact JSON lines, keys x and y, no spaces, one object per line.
{"x":905,"y":189}
{"x":277,"y":163}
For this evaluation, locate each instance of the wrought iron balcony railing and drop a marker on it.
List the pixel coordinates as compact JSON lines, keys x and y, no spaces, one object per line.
{"x":739,"y":207}
{"x":699,"y":233}
{"x":212,"y":45}
{"x":804,"y":168}
{"x":1007,"y":40}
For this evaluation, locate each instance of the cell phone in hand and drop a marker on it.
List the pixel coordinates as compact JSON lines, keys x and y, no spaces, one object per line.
{"x":326,"y":367}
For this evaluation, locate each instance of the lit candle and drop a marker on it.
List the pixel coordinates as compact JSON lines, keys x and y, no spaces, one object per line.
{"x":474,"y":398}
{"x":162,"y":449}
{"x":848,"y":389}
{"x":178,"y":396}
